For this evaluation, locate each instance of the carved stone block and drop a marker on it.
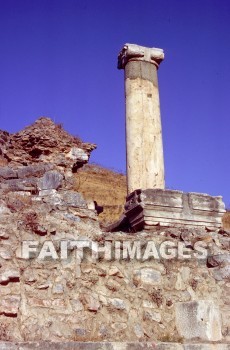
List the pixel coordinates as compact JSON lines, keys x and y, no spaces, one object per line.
{"x":148,"y":208}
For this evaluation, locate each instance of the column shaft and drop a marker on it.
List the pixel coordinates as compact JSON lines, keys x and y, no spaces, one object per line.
{"x":144,"y":149}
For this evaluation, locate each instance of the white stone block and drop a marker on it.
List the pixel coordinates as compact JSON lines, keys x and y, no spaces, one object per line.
{"x":198,"y":319}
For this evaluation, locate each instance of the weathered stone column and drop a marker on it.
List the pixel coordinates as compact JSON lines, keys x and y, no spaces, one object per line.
{"x":144,"y":149}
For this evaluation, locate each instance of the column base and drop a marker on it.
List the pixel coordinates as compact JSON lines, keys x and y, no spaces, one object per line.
{"x":146,"y":209}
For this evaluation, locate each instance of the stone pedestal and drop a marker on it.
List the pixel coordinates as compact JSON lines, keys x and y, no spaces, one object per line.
{"x":146,"y":209}
{"x":144,"y":150}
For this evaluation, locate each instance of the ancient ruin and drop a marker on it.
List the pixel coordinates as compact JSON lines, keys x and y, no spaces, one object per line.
{"x":146,"y":209}
{"x":144,"y":148}
{"x":149,"y":204}
{"x":162,"y":284}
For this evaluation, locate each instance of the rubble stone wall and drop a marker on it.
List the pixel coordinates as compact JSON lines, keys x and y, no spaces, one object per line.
{"x":116,"y":300}
{"x":126,"y":299}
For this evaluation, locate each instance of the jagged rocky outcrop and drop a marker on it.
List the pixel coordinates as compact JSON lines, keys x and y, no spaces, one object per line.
{"x":40,"y":158}
{"x":44,"y":141}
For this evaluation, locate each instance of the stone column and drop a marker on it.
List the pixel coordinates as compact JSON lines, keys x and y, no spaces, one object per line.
{"x":144,"y":149}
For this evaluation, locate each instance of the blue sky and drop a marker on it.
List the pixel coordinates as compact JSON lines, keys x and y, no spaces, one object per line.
{"x":58,"y":58}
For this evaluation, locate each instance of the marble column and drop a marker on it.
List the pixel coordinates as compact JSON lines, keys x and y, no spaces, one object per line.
{"x":144,"y":148}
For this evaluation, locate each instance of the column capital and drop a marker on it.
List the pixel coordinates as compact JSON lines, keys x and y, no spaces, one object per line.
{"x":133,"y":52}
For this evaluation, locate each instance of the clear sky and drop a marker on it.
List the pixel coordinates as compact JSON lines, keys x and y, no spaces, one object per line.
{"x":58,"y":58}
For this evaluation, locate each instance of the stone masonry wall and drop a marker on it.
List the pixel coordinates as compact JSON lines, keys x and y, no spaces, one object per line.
{"x":116,"y":300}
{"x":126,"y":300}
